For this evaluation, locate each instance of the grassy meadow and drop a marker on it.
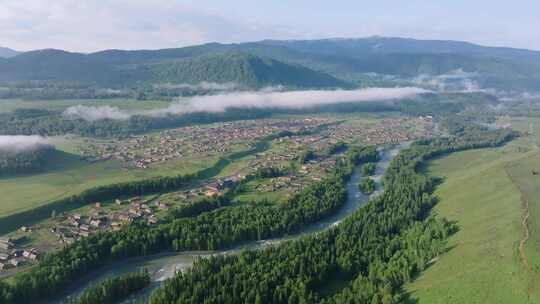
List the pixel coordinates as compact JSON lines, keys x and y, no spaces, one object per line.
{"x":67,"y":174}
{"x":482,"y":264}
{"x":521,"y":172}
{"x":524,"y":174}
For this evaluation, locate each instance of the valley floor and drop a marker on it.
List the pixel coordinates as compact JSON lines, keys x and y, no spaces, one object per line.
{"x":483,"y":264}
{"x":69,"y":175}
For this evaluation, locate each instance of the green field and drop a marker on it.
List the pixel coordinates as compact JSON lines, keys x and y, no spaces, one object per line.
{"x":68,"y":175}
{"x":257,"y":196}
{"x":482,"y":264}
{"x":523,"y":173}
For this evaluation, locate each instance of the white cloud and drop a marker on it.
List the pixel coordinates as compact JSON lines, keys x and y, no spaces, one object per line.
{"x":95,"y":113}
{"x":20,"y":143}
{"x":89,"y":25}
{"x":291,"y":99}
{"x":267,"y":98}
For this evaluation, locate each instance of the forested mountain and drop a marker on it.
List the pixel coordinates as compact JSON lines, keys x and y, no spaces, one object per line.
{"x":325,"y":63}
{"x":241,"y":68}
{"x":491,"y":67}
{"x":390,"y":45}
{"x":192,"y":66}
{"x":7,"y":53}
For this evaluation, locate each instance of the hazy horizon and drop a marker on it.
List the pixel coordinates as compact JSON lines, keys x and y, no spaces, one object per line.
{"x":265,"y":39}
{"x":89,"y":26}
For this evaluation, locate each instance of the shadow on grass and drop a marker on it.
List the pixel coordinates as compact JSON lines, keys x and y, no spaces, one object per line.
{"x":407,"y":295}
{"x":56,"y":162}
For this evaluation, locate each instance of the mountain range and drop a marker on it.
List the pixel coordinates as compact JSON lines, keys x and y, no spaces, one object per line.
{"x":326,"y":63}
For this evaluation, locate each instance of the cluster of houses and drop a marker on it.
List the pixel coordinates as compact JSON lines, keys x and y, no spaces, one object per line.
{"x":217,"y":187}
{"x":12,"y":256}
{"x":218,"y":139}
{"x":313,"y":170}
{"x":386,"y":131}
{"x":194,"y":141}
{"x":78,"y":225}
{"x":391,"y":130}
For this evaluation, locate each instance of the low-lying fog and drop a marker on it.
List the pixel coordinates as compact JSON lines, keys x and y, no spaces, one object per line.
{"x":267,"y":98}
{"x":22,"y":143}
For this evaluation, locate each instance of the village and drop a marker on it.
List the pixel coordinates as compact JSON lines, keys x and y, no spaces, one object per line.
{"x":386,"y":131}
{"x":65,"y":228}
{"x":218,"y":139}
{"x":12,"y":256}
{"x":98,"y":219}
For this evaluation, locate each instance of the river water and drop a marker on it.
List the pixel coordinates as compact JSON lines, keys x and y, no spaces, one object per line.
{"x":164,"y":266}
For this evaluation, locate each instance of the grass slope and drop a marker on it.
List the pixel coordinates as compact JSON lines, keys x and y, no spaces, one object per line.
{"x":482,"y":264}
{"x":529,"y":185}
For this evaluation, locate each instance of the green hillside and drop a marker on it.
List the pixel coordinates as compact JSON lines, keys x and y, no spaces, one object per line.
{"x":238,"y":67}
{"x":118,"y":69}
{"x":482,"y":264}
{"x":498,"y":68}
{"x":392,"y":45}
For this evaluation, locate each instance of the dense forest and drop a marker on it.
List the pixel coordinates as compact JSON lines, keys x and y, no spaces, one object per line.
{"x":372,"y":253}
{"x":26,"y":161}
{"x":114,"y":290}
{"x":368,"y":169}
{"x":218,"y":228}
{"x":367,"y":186}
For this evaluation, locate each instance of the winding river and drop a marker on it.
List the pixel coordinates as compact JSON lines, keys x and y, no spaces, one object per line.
{"x":164,"y":266}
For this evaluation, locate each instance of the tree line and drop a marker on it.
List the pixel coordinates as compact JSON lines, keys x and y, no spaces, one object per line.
{"x":368,"y":169}
{"x":367,"y":186}
{"x":49,"y":123}
{"x":114,"y":290}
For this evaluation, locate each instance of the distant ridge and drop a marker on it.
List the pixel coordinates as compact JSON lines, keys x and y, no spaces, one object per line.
{"x":379,"y":44}
{"x":324,"y":63}
{"x":7,"y":53}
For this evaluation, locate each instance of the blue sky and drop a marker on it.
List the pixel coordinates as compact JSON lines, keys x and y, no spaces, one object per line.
{"x":90,"y":25}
